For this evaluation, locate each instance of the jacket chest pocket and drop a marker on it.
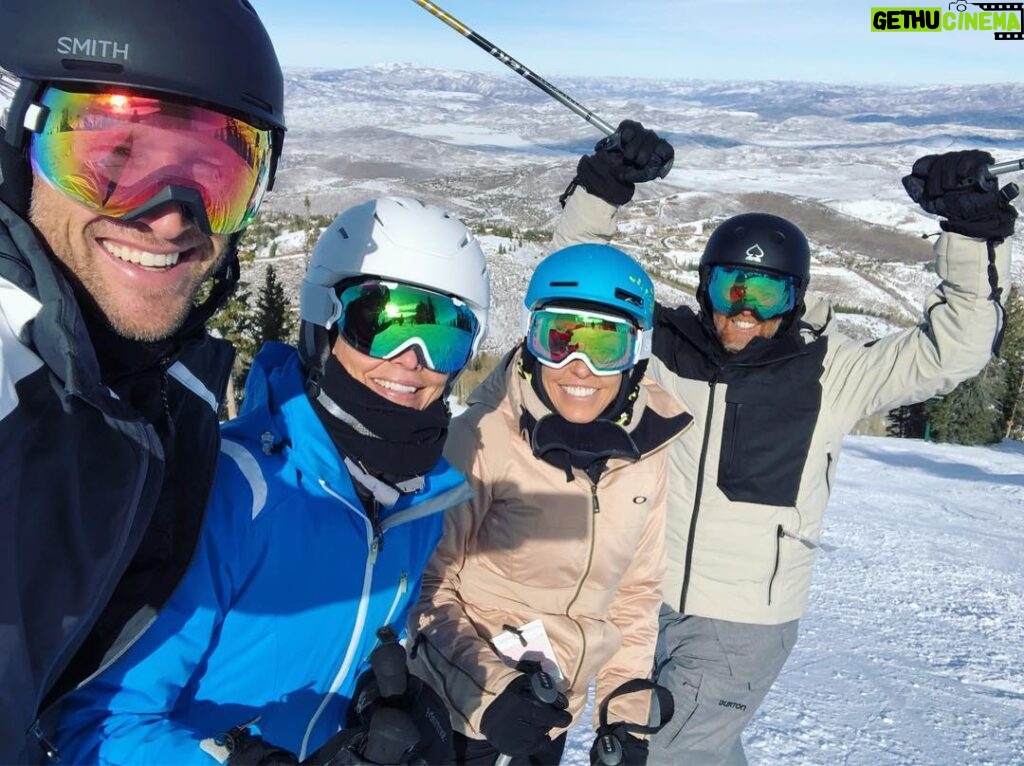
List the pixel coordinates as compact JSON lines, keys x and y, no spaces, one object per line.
{"x":764,"y":450}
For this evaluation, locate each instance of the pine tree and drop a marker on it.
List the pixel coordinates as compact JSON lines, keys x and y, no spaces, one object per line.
{"x":234,"y":323}
{"x":1012,"y":354}
{"x":273,"y":318}
{"x":972,"y":413}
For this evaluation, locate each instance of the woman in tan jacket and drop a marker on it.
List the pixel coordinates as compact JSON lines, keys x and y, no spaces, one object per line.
{"x":557,"y":562}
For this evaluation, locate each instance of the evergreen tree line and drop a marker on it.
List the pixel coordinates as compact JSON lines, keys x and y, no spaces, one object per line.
{"x":248,"y":324}
{"x":983,"y":410}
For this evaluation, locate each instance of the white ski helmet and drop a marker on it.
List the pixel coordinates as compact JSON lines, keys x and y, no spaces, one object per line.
{"x":395,"y":238}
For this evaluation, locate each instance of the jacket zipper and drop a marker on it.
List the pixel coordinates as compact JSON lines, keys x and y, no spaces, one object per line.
{"x":779,"y":534}
{"x":403,"y":586}
{"x":828,"y":467}
{"x":595,"y":506}
{"x":373,"y":544}
{"x":698,"y":491}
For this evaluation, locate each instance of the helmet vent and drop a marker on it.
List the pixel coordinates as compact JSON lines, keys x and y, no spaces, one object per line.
{"x":628,"y":297}
{"x":343,"y":232}
{"x":564,"y":284}
{"x":79,"y":65}
{"x":257,"y":102}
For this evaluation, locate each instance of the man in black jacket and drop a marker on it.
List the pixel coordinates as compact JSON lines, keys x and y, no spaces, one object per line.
{"x":773,"y":387}
{"x":138,"y":145}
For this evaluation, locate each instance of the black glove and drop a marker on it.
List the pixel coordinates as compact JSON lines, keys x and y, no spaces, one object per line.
{"x":394,"y":718}
{"x":247,"y":749}
{"x":632,"y":155}
{"x":517,"y":722}
{"x":954,"y":186}
{"x":614,"y":746}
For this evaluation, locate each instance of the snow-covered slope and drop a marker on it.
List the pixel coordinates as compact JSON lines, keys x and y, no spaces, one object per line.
{"x":910,"y":653}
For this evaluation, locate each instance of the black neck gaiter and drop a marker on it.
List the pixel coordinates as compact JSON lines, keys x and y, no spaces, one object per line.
{"x":387,"y":439}
{"x":584,"y":446}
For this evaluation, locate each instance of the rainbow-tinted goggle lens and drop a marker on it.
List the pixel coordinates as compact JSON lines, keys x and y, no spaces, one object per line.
{"x":732,"y":290}
{"x":119,"y":153}
{"x":384,"y":319}
{"x":606,"y":344}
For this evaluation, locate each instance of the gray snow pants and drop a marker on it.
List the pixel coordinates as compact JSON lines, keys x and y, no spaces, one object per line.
{"x":719,"y":673}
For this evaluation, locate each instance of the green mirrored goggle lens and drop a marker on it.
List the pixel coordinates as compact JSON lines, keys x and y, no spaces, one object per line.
{"x":384,"y":319}
{"x":556,"y":336}
{"x":732,"y":290}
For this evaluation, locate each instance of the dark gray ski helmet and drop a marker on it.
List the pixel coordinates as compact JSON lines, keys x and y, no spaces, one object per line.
{"x":214,"y":52}
{"x":760,"y":242}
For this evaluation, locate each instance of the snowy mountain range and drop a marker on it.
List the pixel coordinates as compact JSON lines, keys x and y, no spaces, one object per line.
{"x":498,"y":152}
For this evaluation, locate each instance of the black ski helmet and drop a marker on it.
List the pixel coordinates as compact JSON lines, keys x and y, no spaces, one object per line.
{"x":214,"y":52}
{"x":760,"y":242}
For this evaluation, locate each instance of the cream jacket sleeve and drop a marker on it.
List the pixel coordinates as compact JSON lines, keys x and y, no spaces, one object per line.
{"x":447,"y":650}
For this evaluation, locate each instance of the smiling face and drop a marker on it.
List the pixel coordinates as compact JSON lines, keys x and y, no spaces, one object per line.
{"x":579,"y":395}
{"x":143,"y":274}
{"x":403,"y":379}
{"x":735,"y":332}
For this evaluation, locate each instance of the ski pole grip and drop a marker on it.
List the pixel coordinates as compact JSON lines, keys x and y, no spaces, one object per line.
{"x":543,"y":687}
{"x":388,"y":663}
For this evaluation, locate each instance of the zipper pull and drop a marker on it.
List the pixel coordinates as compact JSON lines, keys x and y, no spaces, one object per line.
{"x":593,"y":499}
{"x":50,"y":751}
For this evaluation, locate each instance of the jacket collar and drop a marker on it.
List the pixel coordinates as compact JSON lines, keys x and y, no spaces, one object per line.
{"x":761,"y":351}
{"x":277,"y":409}
{"x":58,"y":333}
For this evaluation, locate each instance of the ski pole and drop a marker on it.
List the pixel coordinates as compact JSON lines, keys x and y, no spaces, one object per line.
{"x":533,"y":77}
{"x":517,"y":67}
{"x":1012,"y":166}
{"x":543,"y":688}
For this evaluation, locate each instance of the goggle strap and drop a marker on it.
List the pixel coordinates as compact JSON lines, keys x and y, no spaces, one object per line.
{"x":646,"y":345}
{"x":320,"y":305}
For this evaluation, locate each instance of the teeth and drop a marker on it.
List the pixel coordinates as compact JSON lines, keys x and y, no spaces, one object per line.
{"x":744,"y":325}
{"x":142,"y":257}
{"x":393,"y":386}
{"x":580,"y":391}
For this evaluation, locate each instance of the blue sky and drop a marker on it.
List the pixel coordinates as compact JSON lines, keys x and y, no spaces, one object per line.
{"x":824,"y":41}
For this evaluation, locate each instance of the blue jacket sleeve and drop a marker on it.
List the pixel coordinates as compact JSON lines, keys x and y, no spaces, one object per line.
{"x":126,"y":713}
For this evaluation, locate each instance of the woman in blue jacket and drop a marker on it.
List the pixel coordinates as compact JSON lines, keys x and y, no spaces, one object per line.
{"x":328,"y":502}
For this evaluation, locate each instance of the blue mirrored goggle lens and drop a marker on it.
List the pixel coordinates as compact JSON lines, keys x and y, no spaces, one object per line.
{"x":384,"y":319}
{"x":555,"y":335}
{"x":732,"y":290}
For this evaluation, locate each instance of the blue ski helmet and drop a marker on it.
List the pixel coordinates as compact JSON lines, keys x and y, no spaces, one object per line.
{"x":599,"y":276}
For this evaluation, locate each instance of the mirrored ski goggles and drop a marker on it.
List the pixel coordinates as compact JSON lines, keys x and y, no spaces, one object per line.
{"x":119,"y":153}
{"x":384,"y":319}
{"x":732,"y":290}
{"x":606,"y":344}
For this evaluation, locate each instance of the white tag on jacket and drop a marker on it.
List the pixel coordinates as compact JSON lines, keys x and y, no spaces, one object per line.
{"x":529,"y":643}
